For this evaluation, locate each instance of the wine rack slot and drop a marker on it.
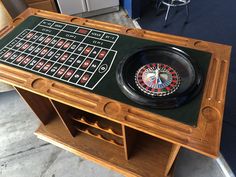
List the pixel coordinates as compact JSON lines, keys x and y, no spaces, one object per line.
{"x":97,"y":122}
{"x":99,"y":134}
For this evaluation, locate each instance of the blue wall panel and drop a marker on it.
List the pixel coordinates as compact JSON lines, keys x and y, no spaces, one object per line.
{"x":133,"y":7}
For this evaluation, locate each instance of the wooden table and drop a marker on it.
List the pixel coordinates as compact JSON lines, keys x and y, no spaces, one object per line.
{"x":122,"y":137}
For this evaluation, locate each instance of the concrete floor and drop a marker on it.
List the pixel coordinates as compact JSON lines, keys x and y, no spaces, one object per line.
{"x":23,"y":155}
{"x":119,"y":17}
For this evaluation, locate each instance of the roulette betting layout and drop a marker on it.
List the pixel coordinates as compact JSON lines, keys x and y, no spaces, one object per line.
{"x":149,"y":75}
{"x":64,"y":52}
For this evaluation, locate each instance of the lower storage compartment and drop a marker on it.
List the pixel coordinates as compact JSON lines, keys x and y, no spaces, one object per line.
{"x":109,"y":143}
{"x":149,"y":155}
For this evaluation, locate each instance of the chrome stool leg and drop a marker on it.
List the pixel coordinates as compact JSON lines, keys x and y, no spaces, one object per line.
{"x":167,"y":13}
{"x":187,"y":10}
{"x":187,"y":13}
{"x":168,"y":10}
{"x":159,"y":5}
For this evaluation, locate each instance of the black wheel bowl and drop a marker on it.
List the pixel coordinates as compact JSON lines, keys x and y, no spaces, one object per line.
{"x":188,"y":71}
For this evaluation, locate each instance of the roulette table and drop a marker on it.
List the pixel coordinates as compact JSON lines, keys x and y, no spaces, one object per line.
{"x":95,"y":84}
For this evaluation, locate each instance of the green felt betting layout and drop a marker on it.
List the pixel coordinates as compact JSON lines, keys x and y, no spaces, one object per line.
{"x":86,"y":58}
{"x":62,"y":51}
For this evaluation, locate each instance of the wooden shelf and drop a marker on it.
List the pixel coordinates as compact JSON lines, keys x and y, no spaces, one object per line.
{"x":96,"y":122}
{"x":98,"y":125}
{"x":148,"y":159}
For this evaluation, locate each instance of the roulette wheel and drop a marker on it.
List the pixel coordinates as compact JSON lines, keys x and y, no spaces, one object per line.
{"x":160,"y":77}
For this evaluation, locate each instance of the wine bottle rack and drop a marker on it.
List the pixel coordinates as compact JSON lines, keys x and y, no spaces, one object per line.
{"x":97,"y":127}
{"x":99,"y":134}
{"x":99,"y":123}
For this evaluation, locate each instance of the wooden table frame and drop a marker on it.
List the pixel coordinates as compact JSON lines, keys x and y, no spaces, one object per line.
{"x":51,"y":101}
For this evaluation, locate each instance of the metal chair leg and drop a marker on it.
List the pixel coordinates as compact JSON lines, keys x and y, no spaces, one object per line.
{"x":187,"y":13}
{"x":167,"y":13}
{"x":159,"y":4}
{"x":156,"y":4}
{"x":187,"y":10}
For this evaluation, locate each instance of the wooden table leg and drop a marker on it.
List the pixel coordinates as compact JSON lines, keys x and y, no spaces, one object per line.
{"x":173,"y":154}
{"x":40,"y":105}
